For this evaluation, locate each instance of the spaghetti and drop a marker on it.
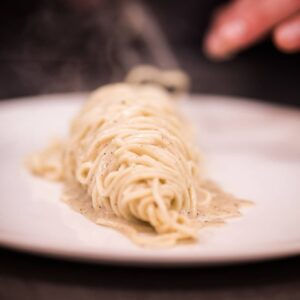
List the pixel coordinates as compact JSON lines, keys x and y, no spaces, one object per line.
{"x":129,"y":163}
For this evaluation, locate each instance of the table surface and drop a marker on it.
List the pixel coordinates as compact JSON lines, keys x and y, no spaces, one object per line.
{"x":24,"y":276}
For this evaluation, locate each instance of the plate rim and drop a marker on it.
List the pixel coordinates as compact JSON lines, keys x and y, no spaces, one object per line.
{"x":252,"y":255}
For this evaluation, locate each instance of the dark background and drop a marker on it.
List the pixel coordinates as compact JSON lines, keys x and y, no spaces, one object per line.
{"x":47,"y":47}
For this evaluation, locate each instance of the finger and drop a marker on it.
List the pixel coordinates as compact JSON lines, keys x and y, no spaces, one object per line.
{"x":243,"y":22}
{"x":287,"y":35}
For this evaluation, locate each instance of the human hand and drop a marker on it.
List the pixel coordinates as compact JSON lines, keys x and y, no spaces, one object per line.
{"x":241,"y":23}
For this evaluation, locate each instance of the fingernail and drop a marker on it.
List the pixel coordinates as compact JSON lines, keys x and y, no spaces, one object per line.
{"x":215,"y":49}
{"x":223,"y":43}
{"x":290,"y":32}
{"x":233,"y":30}
{"x":212,"y":45}
{"x":287,"y":38}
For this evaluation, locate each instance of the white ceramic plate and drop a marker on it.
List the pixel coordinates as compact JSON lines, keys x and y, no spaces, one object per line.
{"x":251,"y":149}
